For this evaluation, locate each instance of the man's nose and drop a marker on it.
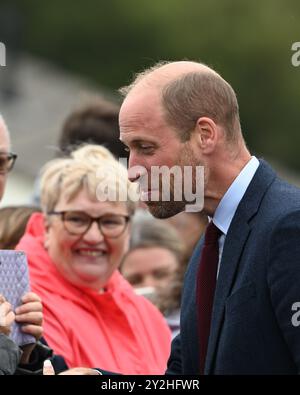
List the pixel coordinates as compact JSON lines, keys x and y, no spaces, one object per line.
{"x":136,"y":170}
{"x":132,"y":175}
{"x":148,"y":281}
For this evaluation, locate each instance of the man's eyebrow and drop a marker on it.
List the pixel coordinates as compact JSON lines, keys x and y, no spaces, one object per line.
{"x":138,"y":141}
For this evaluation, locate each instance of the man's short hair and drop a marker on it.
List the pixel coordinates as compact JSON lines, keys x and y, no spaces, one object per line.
{"x":195,"y":95}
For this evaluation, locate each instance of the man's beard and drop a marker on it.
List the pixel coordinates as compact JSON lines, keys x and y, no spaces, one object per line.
{"x":163,"y":209}
{"x":168,"y":208}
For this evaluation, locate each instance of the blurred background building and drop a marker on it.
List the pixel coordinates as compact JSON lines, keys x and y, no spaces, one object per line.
{"x":59,"y":52}
{"x":40,"y":98}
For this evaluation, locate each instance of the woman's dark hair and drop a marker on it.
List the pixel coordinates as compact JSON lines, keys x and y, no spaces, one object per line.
{"x":95,"y":123}
{"x":13,"y":222}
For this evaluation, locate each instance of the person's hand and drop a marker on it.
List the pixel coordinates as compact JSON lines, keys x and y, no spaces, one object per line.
{"x":80,"y":372}
{"x":49,"y":371}
{"x":7,"y":316}
{"x":30,"y":316}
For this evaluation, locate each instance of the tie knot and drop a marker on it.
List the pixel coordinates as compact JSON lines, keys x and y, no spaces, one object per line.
{"x":212,"y":233}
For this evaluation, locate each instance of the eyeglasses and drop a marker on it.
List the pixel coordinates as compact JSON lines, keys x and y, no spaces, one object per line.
{"x":7,"y":161}
{"x":78,"y":223}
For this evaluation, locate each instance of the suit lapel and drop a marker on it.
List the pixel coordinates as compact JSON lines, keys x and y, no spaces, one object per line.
{"x":233,"y":248}
{"x":235,"y":241}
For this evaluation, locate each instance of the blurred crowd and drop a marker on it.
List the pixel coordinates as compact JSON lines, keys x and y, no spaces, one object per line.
{"x":106,"y":277}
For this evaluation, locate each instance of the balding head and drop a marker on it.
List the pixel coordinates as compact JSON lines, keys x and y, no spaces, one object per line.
{"x":162,"y":73}
{"x":189,"y":91}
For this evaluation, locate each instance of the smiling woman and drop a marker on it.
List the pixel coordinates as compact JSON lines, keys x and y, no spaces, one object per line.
{"x":92,"y":316}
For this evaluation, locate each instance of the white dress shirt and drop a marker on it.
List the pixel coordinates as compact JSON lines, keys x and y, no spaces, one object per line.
{"x":230,"y":201}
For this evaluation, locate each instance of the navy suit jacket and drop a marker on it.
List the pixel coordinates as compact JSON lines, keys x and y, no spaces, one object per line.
{"x":254,"y":328}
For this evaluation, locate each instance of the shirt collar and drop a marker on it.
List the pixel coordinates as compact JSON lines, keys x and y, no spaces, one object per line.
{"x":234,"y":194}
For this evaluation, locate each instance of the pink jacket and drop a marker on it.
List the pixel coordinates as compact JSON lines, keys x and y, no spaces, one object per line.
{"x":116,"y":331}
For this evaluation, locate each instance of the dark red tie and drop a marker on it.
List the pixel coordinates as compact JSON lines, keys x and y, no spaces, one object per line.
{"x":206,"y":284}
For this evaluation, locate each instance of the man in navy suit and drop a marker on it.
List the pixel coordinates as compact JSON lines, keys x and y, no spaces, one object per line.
{"x":185,"y":114}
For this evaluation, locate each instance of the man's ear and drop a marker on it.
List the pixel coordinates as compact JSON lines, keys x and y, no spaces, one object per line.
{"x":206,"y":131}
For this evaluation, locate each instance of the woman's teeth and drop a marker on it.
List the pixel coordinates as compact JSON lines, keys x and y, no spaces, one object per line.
{"x":91,"y":253}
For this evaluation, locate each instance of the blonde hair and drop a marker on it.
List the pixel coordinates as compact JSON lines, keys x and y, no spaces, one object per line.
{"x":90,"y":167}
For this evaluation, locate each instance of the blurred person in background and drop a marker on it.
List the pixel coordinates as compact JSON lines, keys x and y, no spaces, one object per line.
{"x":96,"y":122}
{"x":13,"y":221}
{"x":74,"y":249}
{"x":190,"y":227}
{"x":152,"y":265}
{"x":29,"y":313}
{"x":93,"y":123}
{"x":155,"y":251}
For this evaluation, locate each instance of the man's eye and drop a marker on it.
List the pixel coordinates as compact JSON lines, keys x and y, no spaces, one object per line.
{"x":134,"y":280}
{"x":146,"y":148}
{"x":126,"y":149}
{"x":161,"y":274}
